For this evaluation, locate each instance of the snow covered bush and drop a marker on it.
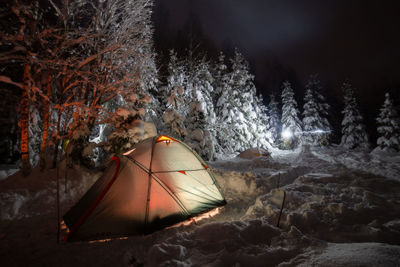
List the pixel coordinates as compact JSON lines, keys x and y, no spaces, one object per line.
{"x":129,"y":130}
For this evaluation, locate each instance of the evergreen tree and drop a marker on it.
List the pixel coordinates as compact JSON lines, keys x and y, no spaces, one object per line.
{"x":312,"y":122}
{"x":174,"y":110}
{"x":237,"y":108}
{"x":261,"y":123}
{"x":221,"y":92}
{"x":201,"y":117}
{"x":231,"y":122}
{"x":221,"y":77}
{"x":324,"y":132}
{"x":274,"y":121}
{"x":353,"y":130}
{"x":291,"y":125}
{"x":388,"y":126}
{"x":149,"y":83}
{"x":204,"y":90}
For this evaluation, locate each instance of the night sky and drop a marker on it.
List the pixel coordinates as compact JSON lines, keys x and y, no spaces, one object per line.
{"x":353,"y":40}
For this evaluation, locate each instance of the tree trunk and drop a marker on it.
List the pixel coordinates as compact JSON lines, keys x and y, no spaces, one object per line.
{"x":24,"y":123}
{"x":46,"y":115}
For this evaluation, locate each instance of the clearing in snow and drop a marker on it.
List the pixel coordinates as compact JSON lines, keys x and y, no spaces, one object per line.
{"x":341,"y":209}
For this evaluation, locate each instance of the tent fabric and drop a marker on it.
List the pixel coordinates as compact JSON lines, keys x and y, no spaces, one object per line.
{"x":160,"y":182}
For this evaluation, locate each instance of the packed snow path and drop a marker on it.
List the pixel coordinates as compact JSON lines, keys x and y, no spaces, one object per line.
{"x":342,"y":209}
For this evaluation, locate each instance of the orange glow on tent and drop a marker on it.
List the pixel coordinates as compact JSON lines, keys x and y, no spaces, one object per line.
{"x":129,"y":152}
{"x":164,"y":138}
{"x":107,"y":240}
{"x":198,"y":218}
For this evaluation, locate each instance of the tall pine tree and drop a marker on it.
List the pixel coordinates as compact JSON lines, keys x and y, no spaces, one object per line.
{"x":172,"y":97}
{"x":274,"y":121}
{"x":354,"y":134}
{"x":323,"y":110}
{"x":201,"y":117}
{"x":262,"y":123}
{"x":230,"y":118}
{"x":221,"y":105}
{"x":291,"y":125}
{"x":388,"y":126}
{"x":312,"y":122}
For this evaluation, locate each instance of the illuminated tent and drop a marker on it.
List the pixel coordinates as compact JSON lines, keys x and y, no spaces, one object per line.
{"x":160,"y":182}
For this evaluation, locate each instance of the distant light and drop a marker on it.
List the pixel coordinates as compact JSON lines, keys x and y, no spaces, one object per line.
{"x":287,"y":134}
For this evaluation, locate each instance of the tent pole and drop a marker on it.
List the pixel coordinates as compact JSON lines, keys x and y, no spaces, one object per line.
{"x":146,"y":219}
{"x":65,"y":173}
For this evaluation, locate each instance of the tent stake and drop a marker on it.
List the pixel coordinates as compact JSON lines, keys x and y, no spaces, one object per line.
{"x":65,"y":175}
{"x":280,"y":212}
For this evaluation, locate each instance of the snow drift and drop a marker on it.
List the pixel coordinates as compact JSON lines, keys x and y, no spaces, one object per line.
{"x":341,"y":209}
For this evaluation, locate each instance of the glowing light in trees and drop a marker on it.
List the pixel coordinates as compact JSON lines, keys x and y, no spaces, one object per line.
{"x":287,"y":134}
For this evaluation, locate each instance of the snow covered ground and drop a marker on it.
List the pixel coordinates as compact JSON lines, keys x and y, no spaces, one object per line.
{"x":341,"y":209}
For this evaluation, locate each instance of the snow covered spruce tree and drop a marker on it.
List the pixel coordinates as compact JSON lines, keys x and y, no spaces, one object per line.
{"x":262,"y":135}
{"x":241,"y":115}
{"x":312,"y":121}
{"x":172,"y":95}
{"x":230,"y":120}
{"x":235,"y":108}
{"x":221,"y":77}
{"x":291,"y":125}
{"x":274,"y":121}
{"x":220,"y":85}
{"x":323,"y":109}
{"x":201,"y":118}
{"x":353,"y":130}
{"x":243,"y":81}
{"x":388,"y":126}
{"x":316,"y":126}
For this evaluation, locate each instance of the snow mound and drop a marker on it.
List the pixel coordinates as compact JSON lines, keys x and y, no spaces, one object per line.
{"x":252,"y":153}
{"x":340,"y":209}
{"x":347,"y":207}
{"x":237,"y":243}
{"x":7,"y":170}
{"x":24,"y":197}
{"x":356,"y":254}
{"x":377,"y":162}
